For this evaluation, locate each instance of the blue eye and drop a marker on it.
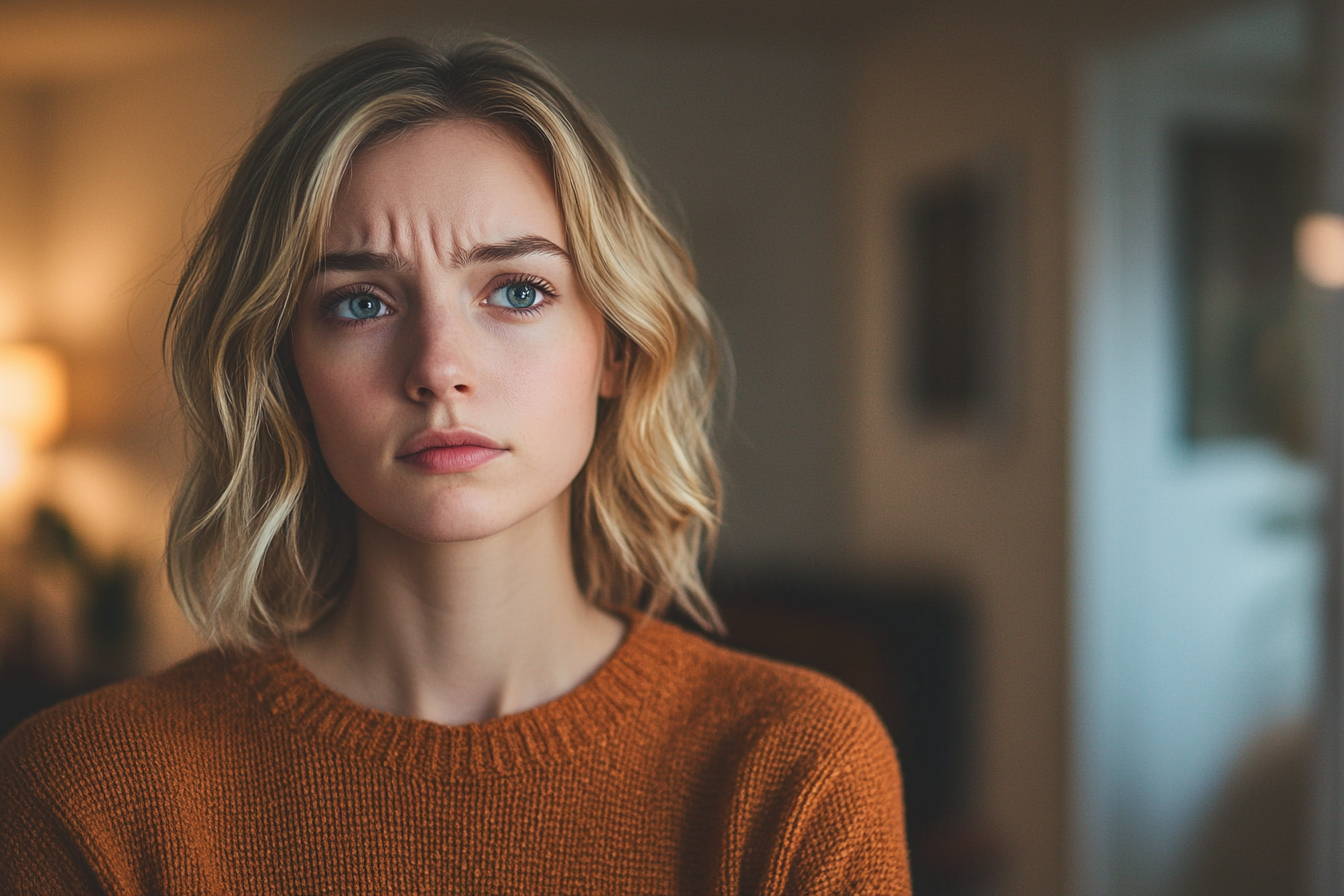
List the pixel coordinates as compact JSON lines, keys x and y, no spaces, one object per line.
{"x":360,"y":306}
{"x":519,"y":295}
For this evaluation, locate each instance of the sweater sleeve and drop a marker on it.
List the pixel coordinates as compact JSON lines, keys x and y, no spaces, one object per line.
{"x":845,"y":830}
{"x":38,"y":855}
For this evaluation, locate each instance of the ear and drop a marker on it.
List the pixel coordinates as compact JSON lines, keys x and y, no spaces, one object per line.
{"x":614,"y":366}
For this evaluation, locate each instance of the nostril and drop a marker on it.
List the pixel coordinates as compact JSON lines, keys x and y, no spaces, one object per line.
{"x":462,"y":387}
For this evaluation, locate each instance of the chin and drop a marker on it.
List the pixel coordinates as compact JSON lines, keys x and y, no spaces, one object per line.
{"x":459,"y":521}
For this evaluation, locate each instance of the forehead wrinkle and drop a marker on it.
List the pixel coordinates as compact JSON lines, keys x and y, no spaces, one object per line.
{"x":455,"y":252}
{"x":355,"y":233}
{"x":393,"y":233}
{"x":443,"y":239}
{"x":400,"y":237}
{"x":482,"y":237}
{"x":416,"y":227}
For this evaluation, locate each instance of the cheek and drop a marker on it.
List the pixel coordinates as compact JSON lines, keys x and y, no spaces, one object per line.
{"x":558,"y":389}
{"x":342,"y":416}
{"x":341,"y":400}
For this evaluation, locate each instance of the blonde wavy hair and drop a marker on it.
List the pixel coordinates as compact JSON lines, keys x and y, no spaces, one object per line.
{"x":260,"y":541}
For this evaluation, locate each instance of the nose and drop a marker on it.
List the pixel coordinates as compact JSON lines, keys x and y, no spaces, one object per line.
{"x":441,"y":362}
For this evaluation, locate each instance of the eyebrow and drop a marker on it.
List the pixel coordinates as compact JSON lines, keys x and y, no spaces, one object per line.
{"x":480,"y":254}
{"x":509,"y":249}
{"x":358,"y":261}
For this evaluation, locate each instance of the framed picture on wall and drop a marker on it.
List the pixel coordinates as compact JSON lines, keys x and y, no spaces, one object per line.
{"x":960,"y":250}
{"x":1245,"y":316}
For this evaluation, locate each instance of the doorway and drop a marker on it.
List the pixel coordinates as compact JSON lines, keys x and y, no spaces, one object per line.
{"x":1197,"y":552}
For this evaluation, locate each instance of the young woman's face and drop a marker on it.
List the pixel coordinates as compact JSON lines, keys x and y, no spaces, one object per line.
{"x":451,"y":364}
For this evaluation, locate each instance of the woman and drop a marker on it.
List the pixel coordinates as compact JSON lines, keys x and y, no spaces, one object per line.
{"x":448,"y":383}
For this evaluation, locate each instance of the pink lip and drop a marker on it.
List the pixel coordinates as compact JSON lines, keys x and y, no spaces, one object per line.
{"x":450,"y":451}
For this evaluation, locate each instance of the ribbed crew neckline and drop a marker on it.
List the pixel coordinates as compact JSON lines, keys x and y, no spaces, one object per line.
{"x":639,"y":671}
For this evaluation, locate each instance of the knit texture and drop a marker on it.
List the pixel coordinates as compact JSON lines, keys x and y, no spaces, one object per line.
{"x":679,"y":767}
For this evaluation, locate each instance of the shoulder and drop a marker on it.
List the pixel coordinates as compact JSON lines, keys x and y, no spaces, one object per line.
{"x":98,"y":734}
{"x":72,"y":778}
{"x":768,"y":700}
{"x":808,"y":775}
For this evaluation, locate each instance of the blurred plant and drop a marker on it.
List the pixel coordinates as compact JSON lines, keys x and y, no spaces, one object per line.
{"x":107,"y":611}
{"x":103,"y":593}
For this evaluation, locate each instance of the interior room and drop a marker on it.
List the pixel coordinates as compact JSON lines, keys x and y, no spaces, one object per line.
{"x":1019,"y":439}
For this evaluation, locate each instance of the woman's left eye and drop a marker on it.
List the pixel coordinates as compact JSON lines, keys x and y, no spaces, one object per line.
{"x":519,"y":295}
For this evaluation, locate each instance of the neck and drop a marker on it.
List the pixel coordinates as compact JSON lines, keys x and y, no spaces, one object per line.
{"x":461,"y":632}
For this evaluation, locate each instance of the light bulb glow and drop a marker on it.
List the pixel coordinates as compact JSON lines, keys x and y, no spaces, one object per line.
{"x":1320,"y":249}
{"x":33,"y":394}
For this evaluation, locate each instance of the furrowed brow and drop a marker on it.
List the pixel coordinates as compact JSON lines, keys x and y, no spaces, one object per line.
{"x":509,"y":249}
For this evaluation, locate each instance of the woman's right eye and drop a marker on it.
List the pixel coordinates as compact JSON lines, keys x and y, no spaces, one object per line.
{"x":360,"y":305}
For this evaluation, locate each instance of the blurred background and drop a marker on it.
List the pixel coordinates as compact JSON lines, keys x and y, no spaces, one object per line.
{"x":1023,"y":430}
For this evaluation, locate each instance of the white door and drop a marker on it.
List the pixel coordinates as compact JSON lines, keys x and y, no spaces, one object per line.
{"x":1195,"y":560}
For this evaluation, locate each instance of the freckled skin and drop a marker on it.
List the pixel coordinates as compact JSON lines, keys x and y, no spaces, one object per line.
{"x":444,"y":351}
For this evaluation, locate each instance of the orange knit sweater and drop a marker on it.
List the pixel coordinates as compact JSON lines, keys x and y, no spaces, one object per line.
{"x":679,"y":767}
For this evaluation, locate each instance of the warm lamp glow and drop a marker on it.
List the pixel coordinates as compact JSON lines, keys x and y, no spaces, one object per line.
{"x":33,"y":403}
{"x":1320,"y":249}
{"x":11,"y":459}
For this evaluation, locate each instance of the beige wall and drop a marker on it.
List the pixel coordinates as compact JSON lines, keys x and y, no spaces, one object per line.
{"x":17,"y":158}
{"x":988,"y":509}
